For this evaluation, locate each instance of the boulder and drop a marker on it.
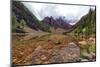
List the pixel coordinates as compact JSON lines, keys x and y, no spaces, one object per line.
{"x":68,"y":53}
{"x":40,"y":55}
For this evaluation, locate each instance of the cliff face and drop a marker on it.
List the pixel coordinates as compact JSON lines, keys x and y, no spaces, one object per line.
{"x":57,"y":23}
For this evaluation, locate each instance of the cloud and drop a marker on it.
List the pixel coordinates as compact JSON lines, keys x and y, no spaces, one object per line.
{"x":41,"y":10}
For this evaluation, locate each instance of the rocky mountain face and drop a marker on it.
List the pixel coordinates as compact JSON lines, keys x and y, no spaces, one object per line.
{"x":21,"y":12}
{"x":57,"y":23}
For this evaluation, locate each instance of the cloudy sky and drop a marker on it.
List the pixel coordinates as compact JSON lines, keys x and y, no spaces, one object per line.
{"x":41,"y":10}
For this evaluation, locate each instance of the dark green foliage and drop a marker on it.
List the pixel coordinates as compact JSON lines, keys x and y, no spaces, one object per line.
{"x":22,"y":24}
{"x":89,"y":24}
{"x":14,"y":24}
{"x":41,"y":25}
{"x":44,"y":27}
{"x":87,"y":49}
{"x":17,"y":27}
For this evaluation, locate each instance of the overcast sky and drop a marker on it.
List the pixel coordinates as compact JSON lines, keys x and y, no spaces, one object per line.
{"x":41,"y":10}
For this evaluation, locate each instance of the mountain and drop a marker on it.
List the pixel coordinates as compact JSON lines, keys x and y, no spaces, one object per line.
{"x":87,"y":24}
{"x":57,"y":23}
{"x":19,"y":13}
